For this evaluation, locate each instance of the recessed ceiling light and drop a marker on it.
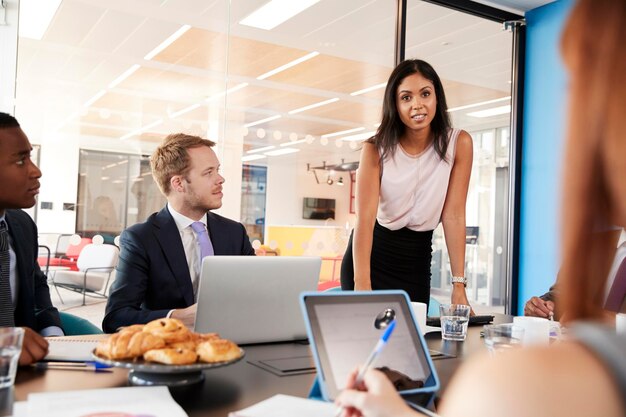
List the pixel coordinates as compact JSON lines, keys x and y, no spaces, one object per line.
{"x":142,"y":129}
{"x":314,"y":105}
{"x":359,"y":137}
{"x":481,"y":103}
{"x":94,"y":98}
{"x":265,"y":148}
{"x":124,"y":75}
{"x":167,"y":42}
{"x":495,"y":111}
{"x":275,"y":12}
{"x":35,"y":17}
{"x":252,"y":157}
{"x":368,"y":89}
{"x":185,"y":110}
{"x":295,"y":142}
{"x":288,"y":65}
{"x":343,"y":132}
{"x":267,"y":119}
{"x":283,"y":151}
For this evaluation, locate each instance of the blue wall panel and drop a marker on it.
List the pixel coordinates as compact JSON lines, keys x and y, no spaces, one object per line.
{"x":545,"y":108}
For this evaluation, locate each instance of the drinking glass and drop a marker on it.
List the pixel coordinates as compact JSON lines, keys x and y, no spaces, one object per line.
{"x":454,"y":321}
{"x":10,"y":348}
{"x":502,"y":337}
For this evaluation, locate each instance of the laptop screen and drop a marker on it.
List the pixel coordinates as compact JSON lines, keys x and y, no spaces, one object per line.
{"x":345,"y":328}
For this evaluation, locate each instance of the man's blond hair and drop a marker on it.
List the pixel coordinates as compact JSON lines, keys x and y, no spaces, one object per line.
{"x":171,"y":158}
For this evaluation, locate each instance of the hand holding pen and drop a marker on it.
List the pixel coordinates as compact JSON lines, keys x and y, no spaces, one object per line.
{"x":369,"y":362}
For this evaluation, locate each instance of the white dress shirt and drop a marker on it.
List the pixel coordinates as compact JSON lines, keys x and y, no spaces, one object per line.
{"x":190,"y":244}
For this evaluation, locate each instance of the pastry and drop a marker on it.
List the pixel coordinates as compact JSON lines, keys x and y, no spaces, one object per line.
{"x":128,"y":345}
{"x":170,"y":330}
{"x":171,"y":356}
{"x":217,"y":350}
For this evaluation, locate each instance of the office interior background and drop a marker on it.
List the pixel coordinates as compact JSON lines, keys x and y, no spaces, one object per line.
{"x":288,"y":99}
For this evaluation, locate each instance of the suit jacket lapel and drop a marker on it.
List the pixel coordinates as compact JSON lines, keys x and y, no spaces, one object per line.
{"x":214,"y":226}
{"x":169,"y":239}
{"x":20,"y":247}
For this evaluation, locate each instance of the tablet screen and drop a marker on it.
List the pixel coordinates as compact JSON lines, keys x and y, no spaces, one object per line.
{"x":344,"y":332}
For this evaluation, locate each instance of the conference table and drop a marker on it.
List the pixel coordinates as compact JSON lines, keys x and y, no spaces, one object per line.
{"x":239,"y":385}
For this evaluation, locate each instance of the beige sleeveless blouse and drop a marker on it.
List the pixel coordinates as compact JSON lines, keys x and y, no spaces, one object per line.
{"x":413,"y":188}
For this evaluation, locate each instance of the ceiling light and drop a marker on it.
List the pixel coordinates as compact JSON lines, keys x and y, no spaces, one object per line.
{"x":340,"y":181}
{"x":294,"y":142}
{"x":124,"y":75}
{"x":283,"y":151}
{"x":167,"y":42}
{"x":288,"y":65}
{"x":359,"y":137}
{"x":142,"y":129}
{"x":312,"y":106}
{"x":343,"y":132}
{"x":275,"y":12}
{"x":482,"y":103}
{"x":265,"y":148}
{"x":267,"y":119}
{"x":185,"y":110}
{"x":368,"y":89}
{"x":228,"y":91}
{"x":94,"y":98}
{"x":252,"y":157}
{"x":329,"y":181}
{"x":35,"y":17}
{"x":495,"y":111}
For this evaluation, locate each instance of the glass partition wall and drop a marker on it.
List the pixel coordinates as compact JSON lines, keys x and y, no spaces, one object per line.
{"x":288,"y":96}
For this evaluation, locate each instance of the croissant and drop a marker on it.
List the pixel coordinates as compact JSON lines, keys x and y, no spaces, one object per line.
{"x":127,"y":345}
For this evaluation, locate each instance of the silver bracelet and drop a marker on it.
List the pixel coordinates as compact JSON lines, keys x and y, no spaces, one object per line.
{"x":460,"y":280}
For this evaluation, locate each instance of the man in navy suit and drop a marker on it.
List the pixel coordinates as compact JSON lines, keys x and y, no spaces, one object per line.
{"x":24,"y":294}
{"x":159,"y":264}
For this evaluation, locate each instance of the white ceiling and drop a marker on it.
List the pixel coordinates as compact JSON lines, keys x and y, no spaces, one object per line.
{"x":89,"y":43}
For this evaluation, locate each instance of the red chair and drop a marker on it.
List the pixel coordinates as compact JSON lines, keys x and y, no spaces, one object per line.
{"x":69,"y":259}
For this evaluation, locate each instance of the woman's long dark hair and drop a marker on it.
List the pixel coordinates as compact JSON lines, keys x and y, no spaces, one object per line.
{"x":391,"y":127}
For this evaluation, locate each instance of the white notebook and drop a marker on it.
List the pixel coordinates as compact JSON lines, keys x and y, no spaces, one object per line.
{"x":71,"y":348}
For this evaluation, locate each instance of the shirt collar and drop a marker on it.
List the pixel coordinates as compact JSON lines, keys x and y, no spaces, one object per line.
{"x":183,"y":222}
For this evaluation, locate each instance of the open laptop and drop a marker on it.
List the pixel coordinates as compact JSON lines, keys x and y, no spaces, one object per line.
{"x":255,"y":299}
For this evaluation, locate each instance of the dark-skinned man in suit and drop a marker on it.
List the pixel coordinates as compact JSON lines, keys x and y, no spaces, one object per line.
{"x":24,"y":293}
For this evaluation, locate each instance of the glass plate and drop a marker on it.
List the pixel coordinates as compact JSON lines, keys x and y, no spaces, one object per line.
{"x":140,"y":365}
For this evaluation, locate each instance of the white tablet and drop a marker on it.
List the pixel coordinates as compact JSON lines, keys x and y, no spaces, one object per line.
{"x":344,"y":327}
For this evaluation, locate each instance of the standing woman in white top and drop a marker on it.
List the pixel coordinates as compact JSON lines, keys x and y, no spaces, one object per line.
{"x":413,"y":174}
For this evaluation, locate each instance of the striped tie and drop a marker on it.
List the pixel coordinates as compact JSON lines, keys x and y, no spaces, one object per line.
{"x":6,"y":303}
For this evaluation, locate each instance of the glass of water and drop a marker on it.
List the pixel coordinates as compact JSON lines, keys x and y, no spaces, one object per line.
{"x":454,"y":320}
{"x":10,"y":348}
{"x":502,"y":337}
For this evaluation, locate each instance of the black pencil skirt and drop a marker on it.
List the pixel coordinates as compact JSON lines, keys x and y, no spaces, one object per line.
{"x":400,"y":259}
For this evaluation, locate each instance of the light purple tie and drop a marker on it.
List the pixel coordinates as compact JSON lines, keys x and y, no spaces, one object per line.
{"x":206,"y":247}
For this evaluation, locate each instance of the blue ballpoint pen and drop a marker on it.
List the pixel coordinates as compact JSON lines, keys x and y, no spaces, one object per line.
{"x":73,"y":366}
{"x":382,"y":342}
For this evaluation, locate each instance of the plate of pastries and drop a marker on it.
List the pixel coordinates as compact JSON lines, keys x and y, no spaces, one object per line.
{"x":166,"y":346}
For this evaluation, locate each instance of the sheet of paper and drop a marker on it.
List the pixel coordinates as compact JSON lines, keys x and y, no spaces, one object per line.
{"x":287,"y":406}
{"x":70,"y":348}
{"x":132,"y":401}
